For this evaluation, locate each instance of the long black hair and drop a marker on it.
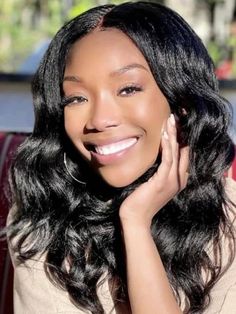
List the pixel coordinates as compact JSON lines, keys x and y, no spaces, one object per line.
{"x":78,"y":223}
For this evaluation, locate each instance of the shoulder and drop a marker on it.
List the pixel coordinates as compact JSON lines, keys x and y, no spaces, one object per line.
{"x":223,"y":293}
{"x":230,"y":210}
{"x":230,"y":188}
{"x":35,"y":293}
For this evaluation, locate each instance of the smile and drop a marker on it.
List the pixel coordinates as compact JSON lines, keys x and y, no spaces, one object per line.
{"x":113,"y":152}
{"x":114,"y":148}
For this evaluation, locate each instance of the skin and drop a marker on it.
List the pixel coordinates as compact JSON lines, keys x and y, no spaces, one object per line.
{"x":108,"y":111}
{"x":111,"y":95}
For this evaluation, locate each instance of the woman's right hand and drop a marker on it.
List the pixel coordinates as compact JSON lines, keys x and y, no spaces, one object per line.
{"x":148,"y":286}
{"x":171,"y":177}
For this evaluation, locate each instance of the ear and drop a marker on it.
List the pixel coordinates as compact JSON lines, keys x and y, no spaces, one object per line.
{"x":183,"y":111}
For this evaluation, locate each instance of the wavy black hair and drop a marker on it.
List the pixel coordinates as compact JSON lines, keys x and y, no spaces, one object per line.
{"x":79,"y":223}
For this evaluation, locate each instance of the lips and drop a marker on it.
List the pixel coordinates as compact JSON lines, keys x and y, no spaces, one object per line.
{"x":111,"y":151}
{"x":115,"y":147}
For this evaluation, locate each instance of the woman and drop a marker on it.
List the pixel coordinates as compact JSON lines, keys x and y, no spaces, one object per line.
{"x":119,"y":198}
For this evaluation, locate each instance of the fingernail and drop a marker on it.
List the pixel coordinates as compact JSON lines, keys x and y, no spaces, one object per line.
{"x":165,"y":135}
{"x":172,"y":119}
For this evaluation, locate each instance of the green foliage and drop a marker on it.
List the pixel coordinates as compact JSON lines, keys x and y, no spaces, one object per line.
{"x":211,"y":2}
{"x":214,"y":51}
{"x":80,"y":7}
{"x":24,"y":24}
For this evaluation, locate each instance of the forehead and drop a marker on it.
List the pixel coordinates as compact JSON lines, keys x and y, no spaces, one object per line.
{"x":107,"y":47}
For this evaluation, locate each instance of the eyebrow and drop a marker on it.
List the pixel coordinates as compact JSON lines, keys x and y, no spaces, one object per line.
{"x":72,"y":78}
{"x":128,"y":68}
{"x":77,"y":79}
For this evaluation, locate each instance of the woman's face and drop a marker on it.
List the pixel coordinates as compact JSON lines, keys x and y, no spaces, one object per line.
{"x":114,"y":110}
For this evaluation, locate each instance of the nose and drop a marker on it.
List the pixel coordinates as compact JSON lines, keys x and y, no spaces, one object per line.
{"x":105,"y":113}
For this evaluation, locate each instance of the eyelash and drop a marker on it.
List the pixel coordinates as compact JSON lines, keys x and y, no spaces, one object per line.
{"x":130,"y":90}
{"x":67,"y":101}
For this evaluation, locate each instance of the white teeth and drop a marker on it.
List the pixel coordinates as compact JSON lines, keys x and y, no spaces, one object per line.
{"x":115,"y":147}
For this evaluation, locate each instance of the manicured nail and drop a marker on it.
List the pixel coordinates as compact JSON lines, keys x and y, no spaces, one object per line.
{"x":172,"y":119}
{"x":165,"y":135}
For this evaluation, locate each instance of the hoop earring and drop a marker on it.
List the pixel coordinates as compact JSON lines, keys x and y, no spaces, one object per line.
{"x":65,"y":163}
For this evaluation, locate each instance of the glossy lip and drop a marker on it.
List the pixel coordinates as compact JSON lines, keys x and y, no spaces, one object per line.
{"x":108,"y":141}
{"x":111,"y":158}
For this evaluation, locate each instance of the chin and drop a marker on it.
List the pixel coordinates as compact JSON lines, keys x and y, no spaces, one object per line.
{"x":120,"y":178}
{"x":119,"y":181}
{"x":113,"y":182}
{"x":119,"y":184}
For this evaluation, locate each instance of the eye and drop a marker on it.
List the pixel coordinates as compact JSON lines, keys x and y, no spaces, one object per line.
{"x":130,"y":90}
{"x":74,"y":100}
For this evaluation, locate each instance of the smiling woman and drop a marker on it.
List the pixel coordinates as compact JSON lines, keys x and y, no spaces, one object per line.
{"x":119,"y":201}
{"x":114,"y":110}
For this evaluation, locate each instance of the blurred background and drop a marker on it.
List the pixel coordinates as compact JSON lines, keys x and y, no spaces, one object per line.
{"x":27,"y":26}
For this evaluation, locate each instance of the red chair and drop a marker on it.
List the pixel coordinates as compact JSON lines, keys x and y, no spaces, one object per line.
{"x":231,"y":173}
{"x":8,"y":145}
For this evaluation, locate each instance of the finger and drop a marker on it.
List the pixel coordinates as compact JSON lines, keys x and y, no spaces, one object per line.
{"x":166,"y":160}
{"x":172,"y":132}
{"x":174,"y":180}
{"x":183,"y":166}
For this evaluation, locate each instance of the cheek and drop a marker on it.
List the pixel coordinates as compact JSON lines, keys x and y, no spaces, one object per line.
{"x":73,"y":125}
{"x":154,"y":121}
{"x":74,"y":128}
{"x":152,"y":115}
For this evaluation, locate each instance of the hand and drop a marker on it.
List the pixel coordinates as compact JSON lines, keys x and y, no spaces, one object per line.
{"x":171,"y":178}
